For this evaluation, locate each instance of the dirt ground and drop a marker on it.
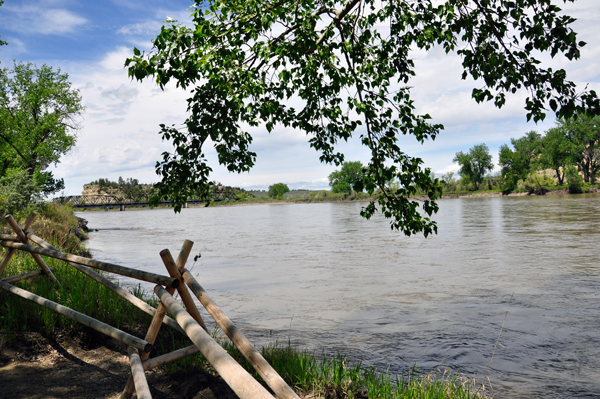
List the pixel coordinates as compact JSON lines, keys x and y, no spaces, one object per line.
{"x":32,"y":366}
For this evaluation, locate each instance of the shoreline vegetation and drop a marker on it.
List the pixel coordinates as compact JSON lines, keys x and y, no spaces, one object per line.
{"x":326,"y":196}
{"x":308,"y":373}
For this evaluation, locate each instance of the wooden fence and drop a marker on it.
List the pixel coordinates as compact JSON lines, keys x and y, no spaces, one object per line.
{"x":187,"y":318}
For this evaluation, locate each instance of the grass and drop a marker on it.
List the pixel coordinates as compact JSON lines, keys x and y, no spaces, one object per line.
{"x":336,"y":378}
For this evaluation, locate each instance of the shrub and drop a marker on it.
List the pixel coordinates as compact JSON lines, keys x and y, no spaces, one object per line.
{"x":574,"y":180}
{"x":536,"y":184}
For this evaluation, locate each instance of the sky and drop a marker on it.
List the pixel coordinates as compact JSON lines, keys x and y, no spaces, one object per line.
{"x":119,"y":130}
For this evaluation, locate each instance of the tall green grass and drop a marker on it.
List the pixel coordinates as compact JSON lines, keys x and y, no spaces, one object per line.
{"x":335,"y":377}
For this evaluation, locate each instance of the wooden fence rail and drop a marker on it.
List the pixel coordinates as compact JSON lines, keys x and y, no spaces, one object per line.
{"x":107,"y":267}
{"x":188,"y":320}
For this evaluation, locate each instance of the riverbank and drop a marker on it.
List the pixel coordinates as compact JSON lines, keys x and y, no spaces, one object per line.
{"x":477,"y":194}
{"x":340,"y":198}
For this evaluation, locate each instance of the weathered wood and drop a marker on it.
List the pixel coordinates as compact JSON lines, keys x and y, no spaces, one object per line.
{"x":182,"y":289}
{"x":11,"y":251}
{"x":13,"y":224}
{"x":170,"y":357}
{"x":80,"y":317}
{"x":9,"y":237}
{"x":107,"y":267}
{"x":234,"y":375}
{"x":135,"y":301}
{"x":161,"y":312}
{"x":25,"y":276}
{"x":139,"y":377}
{"x":269,"y":375}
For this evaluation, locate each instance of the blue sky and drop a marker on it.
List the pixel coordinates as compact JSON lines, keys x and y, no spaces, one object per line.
{"x":119,"y":131}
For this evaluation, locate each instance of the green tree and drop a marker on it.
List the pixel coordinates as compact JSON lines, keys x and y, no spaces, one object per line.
{"x":449,"y":182}
{"x":337,"y":70}
{"x":583,"y":136}
{"x":554,"y":153}
{"x":17,"y":192}
{"x":348,"y":178}
{"x":278,"y":189}
{"x":474,"y":164}
{"x":519,"y":162}
{"x":38,"y":120}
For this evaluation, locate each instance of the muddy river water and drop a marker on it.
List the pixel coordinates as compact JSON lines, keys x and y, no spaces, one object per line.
{"x":323,"y":278}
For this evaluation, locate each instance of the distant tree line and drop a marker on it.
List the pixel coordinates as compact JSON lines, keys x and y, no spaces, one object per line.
{"x":571,"y":150}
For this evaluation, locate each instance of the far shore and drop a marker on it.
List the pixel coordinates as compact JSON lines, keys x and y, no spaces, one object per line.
{"x":325,"y":200}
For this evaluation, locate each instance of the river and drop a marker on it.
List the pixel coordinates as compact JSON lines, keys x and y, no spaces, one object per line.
{"x":323,"y":278}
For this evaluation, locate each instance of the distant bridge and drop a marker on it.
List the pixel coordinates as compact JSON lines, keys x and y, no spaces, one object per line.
{"x":107,"y":201}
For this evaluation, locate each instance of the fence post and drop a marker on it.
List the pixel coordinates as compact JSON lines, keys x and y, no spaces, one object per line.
{"x":157,"y":320}
{"x":13,"y":224}
{"x":11,"y":251}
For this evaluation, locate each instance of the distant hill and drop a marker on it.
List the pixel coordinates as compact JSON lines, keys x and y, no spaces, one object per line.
{"x":129,"y":188}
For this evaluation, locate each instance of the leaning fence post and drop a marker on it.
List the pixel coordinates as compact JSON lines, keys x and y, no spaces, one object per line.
{"x":139,"y":377}
{"x":79,"y":317}
{"x":161,"y":311}
{"x":182,"y":289}
{"x":13,"y":224}
{"x":269,"y":375}
{"x":135,"y":301}
{"x":238,"y":379}
{"x":11,"y":251}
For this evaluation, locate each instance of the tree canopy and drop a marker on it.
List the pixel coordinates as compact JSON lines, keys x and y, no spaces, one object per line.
{"x":554,"y":153}
{"x":474,"y":164}
{"x":278,"y":189}
{"x":583,"y":137}
{"x":518,"y":163}
{"x":348,"y":178}
{"x":339,"y":70}
{"x":38,"y":121}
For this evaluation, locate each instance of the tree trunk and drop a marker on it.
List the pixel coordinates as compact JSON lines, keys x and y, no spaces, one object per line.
{"x":560,"y":177}
{"x":586,"y":171}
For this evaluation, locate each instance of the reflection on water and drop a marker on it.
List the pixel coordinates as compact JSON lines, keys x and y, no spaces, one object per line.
{"x":326,"y":279}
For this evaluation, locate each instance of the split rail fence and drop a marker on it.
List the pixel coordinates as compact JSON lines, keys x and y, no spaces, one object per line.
{"x":187,"y":319}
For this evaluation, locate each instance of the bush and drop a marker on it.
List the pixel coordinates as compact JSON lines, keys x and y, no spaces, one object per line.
{"x":536,"y":184}
{"x":574,"y":180}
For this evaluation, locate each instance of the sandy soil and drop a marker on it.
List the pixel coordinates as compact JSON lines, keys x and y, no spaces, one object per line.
{"x":33,"y":366}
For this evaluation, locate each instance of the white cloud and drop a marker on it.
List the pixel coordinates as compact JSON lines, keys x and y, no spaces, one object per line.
{"x":59,"y":21}
{"x":454,"y":168}
{"x":143,"y":28}
{"x":122,"y":93}
{"x":38,"y":18}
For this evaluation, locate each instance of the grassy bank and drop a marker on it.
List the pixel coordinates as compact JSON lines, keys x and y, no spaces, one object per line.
{"x":306,"y":372}
{"x":337,"y":378}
